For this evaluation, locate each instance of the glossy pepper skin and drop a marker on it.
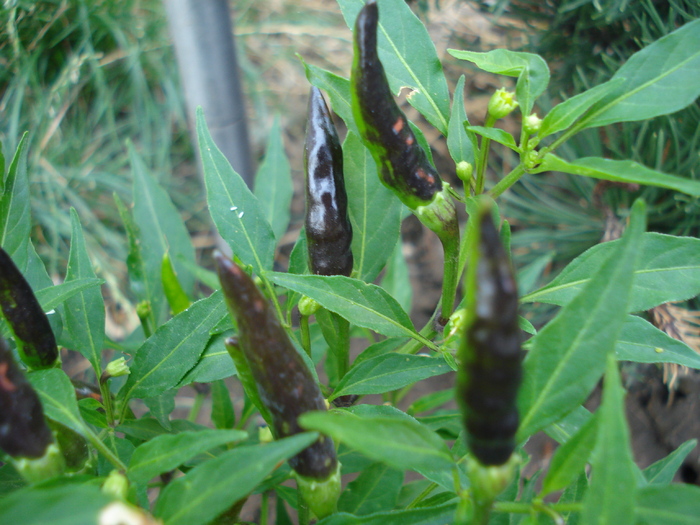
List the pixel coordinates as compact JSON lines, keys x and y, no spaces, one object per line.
{"x":33,"y":334}
{"x":328,"y":229}
{"x":285,"y":384}
{"x":402,"y":163}
{"x":23,"y":430}
{"x":491,"y":354}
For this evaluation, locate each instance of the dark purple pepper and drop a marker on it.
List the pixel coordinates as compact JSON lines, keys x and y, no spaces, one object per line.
{"x":402,"y":163}
{"x":491,"y":354}
{"x":328,"y":229}
{"x":285,"y":384}
{"x":34,"y":337}
{"x":23,"y":429}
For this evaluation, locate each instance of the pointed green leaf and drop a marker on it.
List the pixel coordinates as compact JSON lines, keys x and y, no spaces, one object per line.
{"x":164,"y":358}
{"x":460,"y":142}
{"x":669,"y":270}
{"x":396,"y":278}
{"x":619,"y":171}
{"x":363,"y":304}
{"x":568,"y":355}
{"x":611,"y":496}
{"x":570,"y":459}
{"x":215,"y":363}
{"x":660,"y":79}
{"x":641,"y":342}
{"x":338,"y":89}
{"x":70,"y":504}
{"x":85,"y":311}
{"x":58,"y":397}
{"x":235,"y":211}
{"x":671,"y":505}
{"x":15,"y":209}
{"x":398,"y":442}
{"x":176,"y":296}
{"x":389,"y":372}
{"x":212,"y":487}
{"x":160,"y":407}
{"x":273,"y":182}
{"x":53,"y":296}
{"x":375,"y":490}
{"x":169,"y":451}
{"x":495,"y":134}
{"x":663,"y":471}
{"x":532,"y":71}
{"x":409,"y":58}
{"x":160,"y":230}
{"x":566,"y":113}
{"x":222,"y":414}
{"x":437,"y":515}
{"x":375,"y":213}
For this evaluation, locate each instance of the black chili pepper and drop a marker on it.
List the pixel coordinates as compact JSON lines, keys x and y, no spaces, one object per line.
{"x":34,"y":337}
{"x":284,"y":382}
{"x":23,"y":429}
{"x":328,"y":229}
{"x":491,"y":353}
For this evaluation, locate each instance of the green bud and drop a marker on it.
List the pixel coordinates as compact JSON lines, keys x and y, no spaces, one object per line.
{"x":308,"y":306}
{"x":532,"y":124}
{"x":48,"y":466}
{"x":115,"y":368}
{"x":465,"y":171}
{"x":440,"y":214}
{"x":143,"y":309}
{"x":320,"y":496}
{"x":116,"y":485}
{"x":455,"y":327}
{"x":488,"y":482}
{"x":265,"y":435}
{"x":502,"y":104}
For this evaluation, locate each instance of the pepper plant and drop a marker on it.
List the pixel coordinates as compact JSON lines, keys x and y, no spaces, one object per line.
{"x":115,"y":452}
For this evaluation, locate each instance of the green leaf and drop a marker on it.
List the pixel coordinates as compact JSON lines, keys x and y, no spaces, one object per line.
{"x":566,"y":113}
{"x":176,"y":296}
{"x":563,"y":430}
{"x":15,"y":209}
{"x":58,"y":398}
{"x":438,"y":515}
{"x":235,"y":211}
{"x":212,"y":487}
{"x":532,"y":71}
{"x":363,"y":304}
{"x":169,"y":451}
{"x":213,"y":364}
{"x":400,"y":443}
{"x":338,"y":89}
{"x":375,"y":214}
{"x":663,"y":471}
{"x":659,"y":79}
{"x":669,"y":270}
{"x":619,"y":171}
{"x":222,"y":414}
{"x":53,"y":296}
{"x":642,"y":342}
{"x":376,"y":489}
{"x":273,"y":183}
{"x":389,"y":372}
{"x":160,"y":231}
{"x":379,"y":348}
{"x":85,"y":311}
{"x":568,"y":355}
{"x":160,"y":407}
{"x":671,"y":505}
{"x":141,"y":282}
{"x":70,"y":504}
{"x":570,"y":458}
{"x":611,"y":495}
{"x":396,"y":279}
{"x":495,"y":134}
{"x":164,"y":358}
{"x":460,"y":142}
{"x":409,"y":58}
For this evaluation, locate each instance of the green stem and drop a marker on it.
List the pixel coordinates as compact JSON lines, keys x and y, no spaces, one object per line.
{"x":507,"y":181}
{"x":451,"y":271}
{"x":305,"y":334}
{"x":343,"y":348}
{"x":107,"y":401}
{"x":483,"y":157}
{"x":421,"y":339}
{"x":263,"y":508}
{"x":303,"y":513}
{"x":196,"y":407}
{"x":103,"y":449}
{"x":275,"y":302}
{"x":431,"y":487}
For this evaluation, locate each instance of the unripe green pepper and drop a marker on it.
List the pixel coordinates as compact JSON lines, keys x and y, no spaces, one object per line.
{"x":284,"y":383}
{"x":491,"y":353}
{"x":328,"y":229}
{"x":34,"y":337}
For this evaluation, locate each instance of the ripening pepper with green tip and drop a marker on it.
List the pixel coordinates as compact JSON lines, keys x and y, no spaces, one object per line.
{"x":491,"y":355}
{"x":34,"y":337}
{"x":328,"y":229}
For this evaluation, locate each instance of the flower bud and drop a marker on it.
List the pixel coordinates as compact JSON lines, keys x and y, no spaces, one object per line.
{"x":115,"y":368}
{"x":308,"y":306}
{"x":116,"y":485}
{"x":502,"y":104}
{"x":465,"y":171}
{"x":532,"y":124}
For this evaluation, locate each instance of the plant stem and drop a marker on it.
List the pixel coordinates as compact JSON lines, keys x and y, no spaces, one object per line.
{"x":303,"y":513}
{"x":431,"y":487}
{"x":196,"y":407}
{"x":421,"y":339}
{"x":451,"y":271}
{"x":305,"y":334}
{"x":343,"y":349}
{"x":263,"y":507}
{"x":107,"y":402}
{"x":507,"y":181}
{"x":483,"y":157}
{"x":103,"y":449}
